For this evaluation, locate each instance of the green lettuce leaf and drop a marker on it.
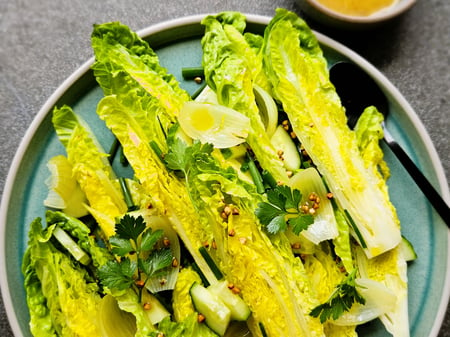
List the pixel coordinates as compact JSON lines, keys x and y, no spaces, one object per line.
{"x":82,"y":233}
{"x":231,"y":67}
{"x":390,"y":269}
{"x":128,"y":67}
{"x":90,"y":168}
{"x":128,"y":301}
{"x":41,"y":324}
{"x":369,"y":132}
{"x":299,"y":76}
{"x":62,"y":296}
{"x":168,"y":193}
{"x":271,"y":280}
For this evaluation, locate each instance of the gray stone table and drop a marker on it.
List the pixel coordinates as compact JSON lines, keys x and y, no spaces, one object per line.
{"x":43,"y":41}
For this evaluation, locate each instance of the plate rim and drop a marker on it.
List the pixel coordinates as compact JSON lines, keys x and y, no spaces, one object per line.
{"x":435,"y":163}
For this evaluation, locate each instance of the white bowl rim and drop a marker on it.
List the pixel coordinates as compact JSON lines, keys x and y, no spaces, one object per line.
{"x":189,"y":20}
{"x":388,"y":13}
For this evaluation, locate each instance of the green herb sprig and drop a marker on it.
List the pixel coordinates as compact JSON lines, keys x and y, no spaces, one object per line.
{"x":282,"y":209}
{"x":139,"y":259}
{"x":340,"y":301}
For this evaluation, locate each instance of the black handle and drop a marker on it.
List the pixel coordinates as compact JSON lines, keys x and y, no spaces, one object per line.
{"x":422,"y":182}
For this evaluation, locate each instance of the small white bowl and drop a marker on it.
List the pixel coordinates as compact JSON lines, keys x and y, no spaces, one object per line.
{"x":330,"y":17}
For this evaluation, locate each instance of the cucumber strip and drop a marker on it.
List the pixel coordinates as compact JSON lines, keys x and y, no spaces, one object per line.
{"x":113,"y":150}
{"x":238,"y":308}
{"x":256,"y":176}
{"x":268,"y":179}
{"x":355,"y":228}
{"x":407,"y":250}
{"x":72,"y":247}
{"x":283,"y":142}
{"x":217,"y":315}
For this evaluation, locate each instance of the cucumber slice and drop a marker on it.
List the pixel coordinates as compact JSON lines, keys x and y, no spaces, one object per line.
{"x":283,"y":142}
{"x":239,"y":309}
{"x":217,"y":315}
{"x":407,"y":250}
{"x":156,"y":311}
{"x":73,"y":248}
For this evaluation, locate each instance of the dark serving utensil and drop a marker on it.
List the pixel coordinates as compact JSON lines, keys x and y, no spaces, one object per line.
{"x":357,"y":91}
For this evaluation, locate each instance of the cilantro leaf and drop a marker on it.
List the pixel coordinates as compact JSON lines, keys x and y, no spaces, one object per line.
{"x":340,"y":301}
{"x":301,"y":223}
{"x":282,"y":209}
{"x":277,"y":224}
{"x":291,"y":198}
{"x":119,"y":246}
{"x":130,"y":227}
{"x":157,"y":261}
{"x":266,"y":212}
{"x":181,"y":156}
{"x":133,"y":237}
{"x":149,"y":238}
{"x":117,"y":275}
{"x":175,"y":159}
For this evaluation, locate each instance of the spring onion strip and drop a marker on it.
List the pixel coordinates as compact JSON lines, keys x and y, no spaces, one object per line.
{"x":192,"y":72}
{"x":268,"y":179}
{"x":256,"y":176}
{"x":157,"y":149}
{"x":113,"y":150}
{"x":127,"y":195}
{"x":208,"y":259}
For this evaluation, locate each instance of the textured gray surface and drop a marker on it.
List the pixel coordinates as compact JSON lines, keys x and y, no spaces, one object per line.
{"x":43,"y":42}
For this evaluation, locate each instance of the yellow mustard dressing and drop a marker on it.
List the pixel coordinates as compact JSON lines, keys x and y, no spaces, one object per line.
{"x":356,"y":7}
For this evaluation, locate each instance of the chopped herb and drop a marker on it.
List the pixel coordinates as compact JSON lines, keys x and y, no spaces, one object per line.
{"x":282,"y":209}
{"x":340,"y":301}
{"x":139,"y":259}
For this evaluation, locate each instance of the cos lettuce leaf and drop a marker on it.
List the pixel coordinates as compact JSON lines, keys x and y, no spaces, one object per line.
{"x":90,"y":168}
{"x":271,"y":280}
{"x":231,"y":68}
{"x":369,"y":132}
{"x":298,"y":73}
{"x":127,"y":67}
{"x":66,"y":296}
{"x":169,"y":195}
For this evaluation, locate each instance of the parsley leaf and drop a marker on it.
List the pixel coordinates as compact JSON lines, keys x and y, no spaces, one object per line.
{"x":282,"y":209}
{"x":118,"y":275}
{"x":121,"y":247}
{"x":340,"y":301}
{"x":181,"y":156}
{"x":157,"y":261}
{"x":140,"y":258}
{"x":130,"y":227}
{"x":301,"y":223}
{"x":150,"y":238}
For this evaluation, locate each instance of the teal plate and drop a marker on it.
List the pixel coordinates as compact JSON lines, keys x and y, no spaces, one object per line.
{"x":177,"y":43}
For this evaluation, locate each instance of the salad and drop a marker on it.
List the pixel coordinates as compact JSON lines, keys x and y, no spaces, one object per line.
{"x":251,"y":208}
